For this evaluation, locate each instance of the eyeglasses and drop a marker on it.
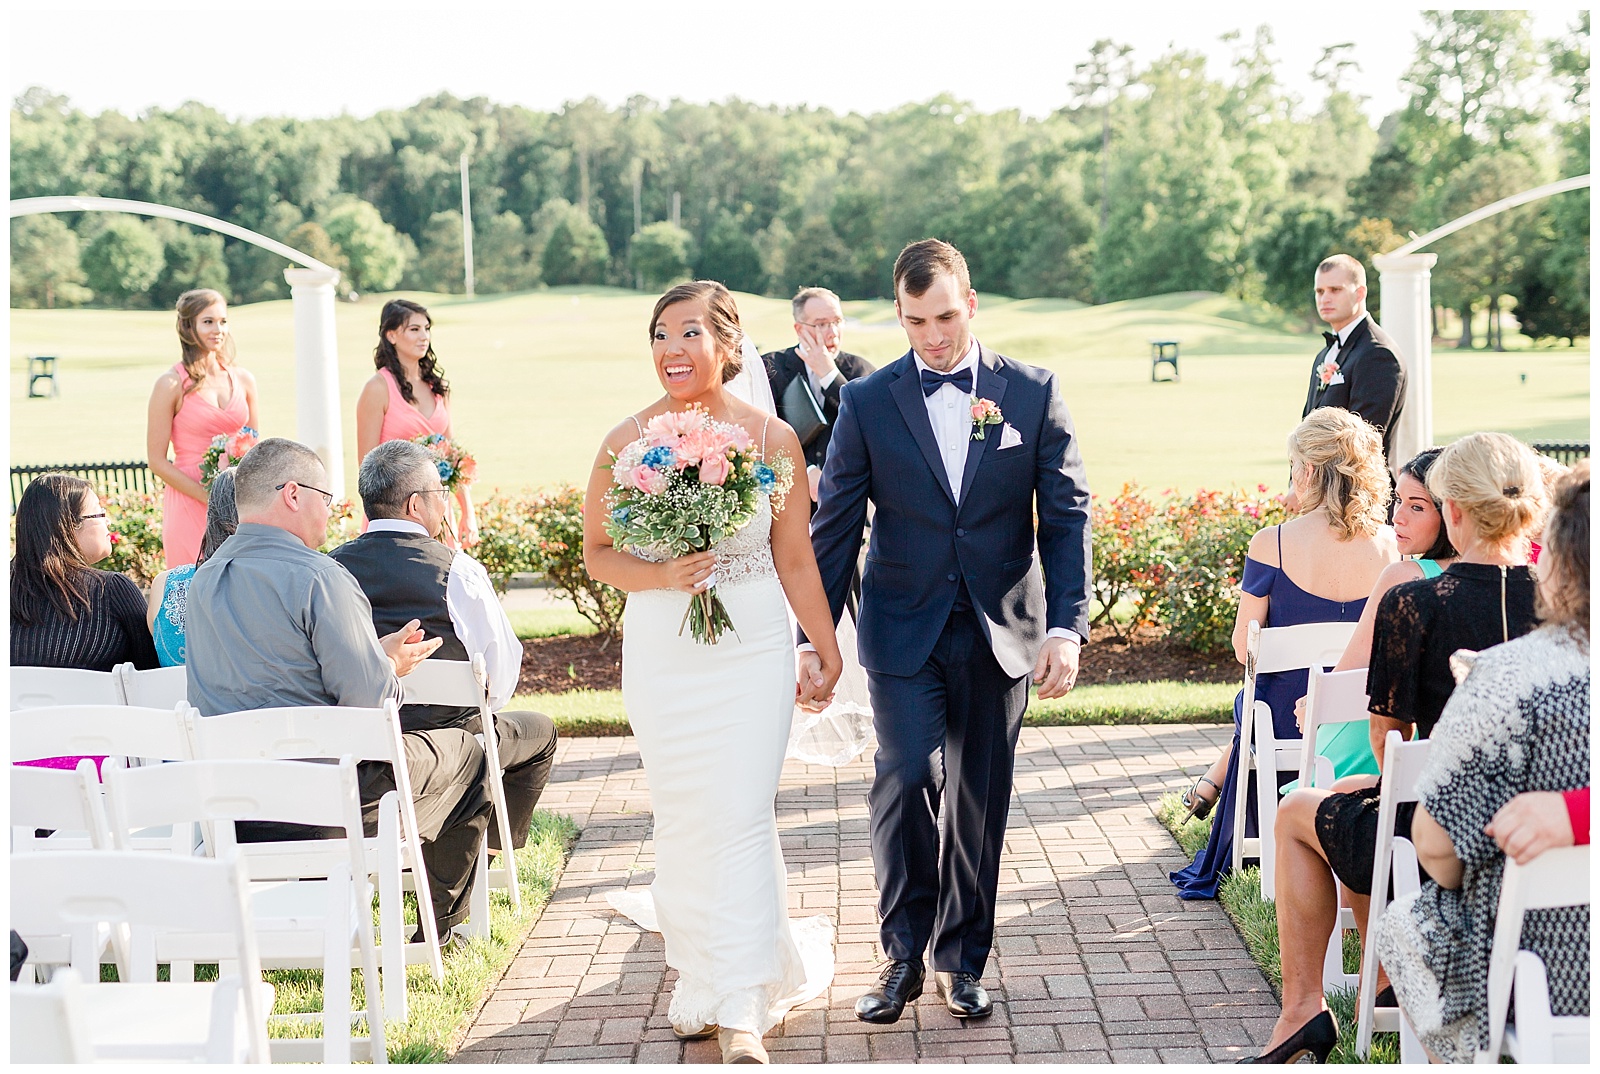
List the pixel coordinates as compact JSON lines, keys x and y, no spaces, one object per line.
{"x":327,"y":497}
{"x":89,"y":518}
{"x":424,"y":492}
{"x":825,"y":325}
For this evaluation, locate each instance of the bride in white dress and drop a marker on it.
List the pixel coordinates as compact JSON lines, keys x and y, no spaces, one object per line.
{"x":712,"y":721}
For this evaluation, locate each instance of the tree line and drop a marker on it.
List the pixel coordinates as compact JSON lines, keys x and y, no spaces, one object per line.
{"x":1151,"y":178}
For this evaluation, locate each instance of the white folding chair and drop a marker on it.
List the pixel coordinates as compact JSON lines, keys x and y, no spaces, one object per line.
{"x":67,"y":801}
{"x":35,"y":688}
{"x":310,"y":900}
{"x":1334,"y":699}
{"x":366,"y":735}
{"x":156,"y":688}
{"x":460,"y":683}
{"x":1554,"y":879}
{"x":78,"y":894}
{"x":1269,"y":650}
{"x":1395,"y":860}
{"x":49,"y":1023}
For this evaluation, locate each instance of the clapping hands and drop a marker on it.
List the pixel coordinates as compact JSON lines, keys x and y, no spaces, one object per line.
{"x":406,"y":647}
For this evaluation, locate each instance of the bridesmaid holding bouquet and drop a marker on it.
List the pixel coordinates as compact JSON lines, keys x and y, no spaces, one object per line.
{"x":204,"y":396}
{"x":408,"y":398}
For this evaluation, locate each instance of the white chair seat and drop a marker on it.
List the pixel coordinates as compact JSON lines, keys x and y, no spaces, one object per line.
{"x":134,"y":1021}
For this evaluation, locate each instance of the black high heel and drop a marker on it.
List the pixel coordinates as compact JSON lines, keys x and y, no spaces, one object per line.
{"x":1317,"y":1037}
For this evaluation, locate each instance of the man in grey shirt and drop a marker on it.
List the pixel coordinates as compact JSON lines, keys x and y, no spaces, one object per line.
{"x":273,"y":622}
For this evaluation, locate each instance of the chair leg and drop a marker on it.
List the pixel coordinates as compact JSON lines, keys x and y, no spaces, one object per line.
{"x":478,"y":909}
{"x":391,"y":917}
{"x":336,"y":974}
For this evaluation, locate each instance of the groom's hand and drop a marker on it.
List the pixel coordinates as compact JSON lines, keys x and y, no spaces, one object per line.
{"x":1057,"y":668}
{"x":811,"y":684}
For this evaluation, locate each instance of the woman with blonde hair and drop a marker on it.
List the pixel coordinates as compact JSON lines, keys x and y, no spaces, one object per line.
{"x":1493,"y":496}
{"x":1316,"y":568}
{"x":205,"y":395}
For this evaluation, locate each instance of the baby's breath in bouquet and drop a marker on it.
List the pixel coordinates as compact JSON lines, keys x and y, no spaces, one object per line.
{"x":685,"y":485}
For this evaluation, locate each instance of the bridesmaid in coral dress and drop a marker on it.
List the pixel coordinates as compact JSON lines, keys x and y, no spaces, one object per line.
{"x":204,"y":395}
{"x":408,"y":397}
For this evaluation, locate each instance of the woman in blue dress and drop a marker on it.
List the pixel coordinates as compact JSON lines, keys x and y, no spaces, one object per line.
{"x":1316,"y":568}
{"x":168,"y":602}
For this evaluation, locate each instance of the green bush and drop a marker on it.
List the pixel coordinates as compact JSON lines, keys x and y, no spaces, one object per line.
{"x":506,"y":539}
{"x":135,"y":524}
{"x":1207,"y":537}
{"x":1129,"y":536}
{"x":557,"y":520}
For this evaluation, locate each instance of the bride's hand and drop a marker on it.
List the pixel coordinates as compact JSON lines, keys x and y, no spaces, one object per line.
{"x":688,"y":574}
{"x":816,"y":680}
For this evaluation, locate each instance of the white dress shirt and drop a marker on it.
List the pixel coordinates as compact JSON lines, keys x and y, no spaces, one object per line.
{"x":480,"y":623}
{"x":1344,"y":337}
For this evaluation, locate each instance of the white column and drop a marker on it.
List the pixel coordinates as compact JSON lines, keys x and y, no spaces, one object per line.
{"x":316,"y":370}
{"x":1407,"y":315}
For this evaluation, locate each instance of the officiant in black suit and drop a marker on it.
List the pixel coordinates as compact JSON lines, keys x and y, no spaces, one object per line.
{"x":1357,"y":368}
{"x":806,"y":378}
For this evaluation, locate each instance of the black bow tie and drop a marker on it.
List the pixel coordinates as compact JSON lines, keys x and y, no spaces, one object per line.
{"x":932,"y":382}
{"x":1332,"y":338}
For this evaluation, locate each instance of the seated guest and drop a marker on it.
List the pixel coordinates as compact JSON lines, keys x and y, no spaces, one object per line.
{"x":1316,"y":568}
{"x":273,"y":622}
{"x":1514,"y":735}
{"x":64,"y":613}
{"x":1536,"y":821}
{"x":1492,"y":495}
{"x":407,"y":573}
{"x":169,"y":593}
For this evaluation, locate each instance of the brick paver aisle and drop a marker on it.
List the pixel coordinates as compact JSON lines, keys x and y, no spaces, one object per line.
{"x":1096,"y":959}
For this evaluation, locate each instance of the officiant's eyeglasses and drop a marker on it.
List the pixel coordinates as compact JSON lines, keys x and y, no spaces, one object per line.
{"x":327,"y":497}
{"x":824,"y":325}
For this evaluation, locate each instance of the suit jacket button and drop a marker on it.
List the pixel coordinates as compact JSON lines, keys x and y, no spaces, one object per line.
{"x":961,"y":533}
{"x":950,"y":577}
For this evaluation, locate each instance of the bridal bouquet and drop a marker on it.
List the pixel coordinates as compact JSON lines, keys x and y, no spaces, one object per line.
{"x":456,"y":465}
{"x":685,"y":485}
{"x":225,"y":451}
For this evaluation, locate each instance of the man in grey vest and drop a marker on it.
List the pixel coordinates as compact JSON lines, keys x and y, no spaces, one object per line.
{"x":407,"y":573}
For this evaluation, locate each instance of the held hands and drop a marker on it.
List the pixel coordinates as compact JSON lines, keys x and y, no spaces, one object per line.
{"x":815,"y":681}
{"x":1530,"y":824}
{"x":690,"y":574}
{"x":406,"y":647}
{"x":1056,"y":670}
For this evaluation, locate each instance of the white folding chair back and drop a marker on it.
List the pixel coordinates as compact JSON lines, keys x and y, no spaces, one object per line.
{"x":156,"y":688}
{"x":1332,"y":697}
{"x":366,"y":735}
{"x":37,"y":688}
{"x":1396,"y":861}
{"x":111,"y":729}
{"x":1269,"y":650}
{"x":463,"y":683}
{"x":49,"y":1023}
{"x":67,"y":801}
{"x":310,"y":910}
{"x":79,"y":894}
{"x":1555,"y":879}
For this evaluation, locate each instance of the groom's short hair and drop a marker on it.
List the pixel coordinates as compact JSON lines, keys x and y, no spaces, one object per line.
{"x":1357,"y":272}
{"x":923,"y":260}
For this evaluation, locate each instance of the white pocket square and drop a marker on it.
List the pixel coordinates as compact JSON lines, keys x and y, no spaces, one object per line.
{"x":1009,"y":437}
{"x":1338,"y":378}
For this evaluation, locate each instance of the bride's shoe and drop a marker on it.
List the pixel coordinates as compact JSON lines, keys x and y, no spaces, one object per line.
{"x":703,"y":1032}
{"x":741,"y":1046}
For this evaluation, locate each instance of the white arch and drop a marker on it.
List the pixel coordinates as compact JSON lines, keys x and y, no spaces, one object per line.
{"x":1407,"y":312}
{"x":311,"y":285}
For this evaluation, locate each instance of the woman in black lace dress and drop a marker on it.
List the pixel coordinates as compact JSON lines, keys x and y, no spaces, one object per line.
{"x":1493,"y":498}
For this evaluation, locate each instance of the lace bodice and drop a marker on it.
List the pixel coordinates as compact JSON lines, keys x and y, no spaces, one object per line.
{"x":744,"y":557}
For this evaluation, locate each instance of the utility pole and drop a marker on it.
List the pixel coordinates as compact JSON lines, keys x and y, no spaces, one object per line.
{"x":638,"y":212}
{"x":466,"y":226}
{"x":677,"y":209}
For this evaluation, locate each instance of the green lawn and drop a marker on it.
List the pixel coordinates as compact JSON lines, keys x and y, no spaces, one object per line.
{"x":540,"y":377}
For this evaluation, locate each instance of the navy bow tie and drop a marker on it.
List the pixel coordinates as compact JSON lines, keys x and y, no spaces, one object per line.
{"x":932,"y":382}
{"x":1332,"y":338}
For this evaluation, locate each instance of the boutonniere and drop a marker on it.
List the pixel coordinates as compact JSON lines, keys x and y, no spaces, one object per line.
{"x":1326,"y":372}
{"x":984,"y":414}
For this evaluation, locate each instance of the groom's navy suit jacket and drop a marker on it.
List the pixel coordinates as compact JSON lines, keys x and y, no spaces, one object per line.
{"x":923,"y":542}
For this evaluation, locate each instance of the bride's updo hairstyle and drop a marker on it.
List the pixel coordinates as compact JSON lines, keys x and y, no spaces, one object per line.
{"x":1348,"y":477}
{"x":722,"y":314}
{"x":1495,"y":480}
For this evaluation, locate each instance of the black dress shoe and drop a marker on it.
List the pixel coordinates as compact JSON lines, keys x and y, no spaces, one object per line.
{"x":1316,"y":1038}
{"x":899,"y":984}
{"x":963,"y":996}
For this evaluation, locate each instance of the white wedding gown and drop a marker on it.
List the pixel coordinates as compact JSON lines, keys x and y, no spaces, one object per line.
{"x":712,"y":723}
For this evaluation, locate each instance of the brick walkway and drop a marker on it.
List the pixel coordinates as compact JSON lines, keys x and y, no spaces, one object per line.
{"x":1095,"y":959}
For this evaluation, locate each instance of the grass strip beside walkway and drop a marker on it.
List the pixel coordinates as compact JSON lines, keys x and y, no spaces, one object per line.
{"x":599,"y":713}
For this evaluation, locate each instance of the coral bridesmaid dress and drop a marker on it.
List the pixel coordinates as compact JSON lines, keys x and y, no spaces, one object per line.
{"x":403,"y":421}
{"x":197,"y":422}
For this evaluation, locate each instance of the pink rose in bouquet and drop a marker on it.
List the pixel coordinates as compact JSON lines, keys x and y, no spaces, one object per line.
{"x":225,"y":451}
{"x":714,"y":469}
{"x":649,"y":480}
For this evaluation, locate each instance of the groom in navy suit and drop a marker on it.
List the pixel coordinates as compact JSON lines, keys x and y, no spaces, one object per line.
{"x":957,"y":447}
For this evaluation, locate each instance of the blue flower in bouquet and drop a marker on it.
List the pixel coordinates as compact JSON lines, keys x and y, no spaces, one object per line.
{"x":659,"y":458}
{"x":446,"y":471}
{"x":620,"y":516}
{"x":766,"y":479}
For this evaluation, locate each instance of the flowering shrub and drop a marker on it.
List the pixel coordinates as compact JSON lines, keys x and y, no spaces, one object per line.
{"x":1207,"y":537}
{"x":134,"y":519}
{"x":1128,"y":533}
{"x":556,"y":518}
{"x":506,"y":539}
{"x":344,"y":525}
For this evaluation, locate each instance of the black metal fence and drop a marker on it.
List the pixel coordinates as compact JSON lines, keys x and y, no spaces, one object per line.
{"x":1566,"y":452}
{"x":106,"y":476}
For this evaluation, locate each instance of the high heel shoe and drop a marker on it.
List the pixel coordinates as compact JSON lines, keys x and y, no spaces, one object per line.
{"x":1316,"y":1037}
{"x":1196,"y":805}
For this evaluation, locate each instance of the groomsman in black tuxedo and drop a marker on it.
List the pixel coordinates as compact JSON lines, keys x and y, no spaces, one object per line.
{"x":806,"y":379}
{"x":1357,"y":369}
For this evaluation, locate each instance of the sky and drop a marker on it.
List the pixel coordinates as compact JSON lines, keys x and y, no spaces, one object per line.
{"x":323,"y":59}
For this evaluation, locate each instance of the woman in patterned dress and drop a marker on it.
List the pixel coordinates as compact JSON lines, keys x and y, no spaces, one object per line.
{"x":1519,"y":722}
{"x":168,"y":603}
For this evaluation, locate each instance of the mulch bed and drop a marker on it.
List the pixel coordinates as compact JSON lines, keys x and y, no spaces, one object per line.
{"x":560,"y":664}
